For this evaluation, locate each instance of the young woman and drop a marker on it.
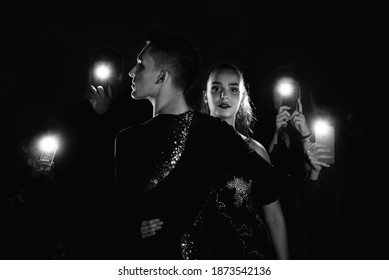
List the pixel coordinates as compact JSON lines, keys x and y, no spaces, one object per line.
{"x":227,"y":98}
{"x":234,"y":228}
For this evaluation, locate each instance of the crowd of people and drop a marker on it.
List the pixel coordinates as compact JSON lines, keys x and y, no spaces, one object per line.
{"x":178,"y":182}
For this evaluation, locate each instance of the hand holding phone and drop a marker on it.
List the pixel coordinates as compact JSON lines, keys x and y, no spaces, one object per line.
{"x":291,"y":102}
{"x":48,"y":146}
{"x":288,"y":89}
{"x":102,"y":74}
{"x":325,"y":135}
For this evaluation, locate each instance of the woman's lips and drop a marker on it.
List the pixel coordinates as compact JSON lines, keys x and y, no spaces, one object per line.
{"x":224,"y":106}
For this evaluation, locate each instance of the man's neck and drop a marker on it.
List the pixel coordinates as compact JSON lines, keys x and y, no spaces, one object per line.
{"x":174,"y":105}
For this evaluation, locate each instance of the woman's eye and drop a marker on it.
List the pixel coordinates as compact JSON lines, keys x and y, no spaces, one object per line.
{"x":215,"y":89}
{"x":235,"y":90}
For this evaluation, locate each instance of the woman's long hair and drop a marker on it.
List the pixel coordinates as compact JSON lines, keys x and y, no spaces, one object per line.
{"x":245,"y":117}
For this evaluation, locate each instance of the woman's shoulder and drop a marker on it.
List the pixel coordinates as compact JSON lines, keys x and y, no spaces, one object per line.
{"x":258,"y":148}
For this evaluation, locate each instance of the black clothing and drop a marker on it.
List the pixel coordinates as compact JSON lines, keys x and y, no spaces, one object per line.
{"x":172,"y":168}
{"x":85,"y":172}
{"x":289,"y":164}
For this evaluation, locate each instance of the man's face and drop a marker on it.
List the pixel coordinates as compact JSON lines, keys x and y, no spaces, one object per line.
{"x":144,"y":76}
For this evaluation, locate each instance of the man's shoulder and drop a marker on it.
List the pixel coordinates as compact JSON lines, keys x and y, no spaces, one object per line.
{"x":131,"y":130}
{"x":212,"y":122}
{"x":219,"y":131}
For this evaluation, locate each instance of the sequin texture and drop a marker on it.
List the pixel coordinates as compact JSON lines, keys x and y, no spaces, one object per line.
{"x":188,"y":244}
{"x":246,"y":226}
{"x":175,"y":149}
{"x":242,"y":189}
{"x":189,"y":240}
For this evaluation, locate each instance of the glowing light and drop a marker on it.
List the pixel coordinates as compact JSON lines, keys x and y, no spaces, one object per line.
{"x":102,"y":71}
{"x":321,"y":127}
{"x":48,"y":144}
{"x":285,"y":87}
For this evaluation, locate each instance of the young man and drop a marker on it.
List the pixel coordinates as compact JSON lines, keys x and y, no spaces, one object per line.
{"x":181,"y":167}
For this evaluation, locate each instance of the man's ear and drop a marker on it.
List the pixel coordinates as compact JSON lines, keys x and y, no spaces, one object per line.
{"x":162,"y":77}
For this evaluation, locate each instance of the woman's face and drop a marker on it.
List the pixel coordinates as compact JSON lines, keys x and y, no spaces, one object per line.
{"x":225,"y":91}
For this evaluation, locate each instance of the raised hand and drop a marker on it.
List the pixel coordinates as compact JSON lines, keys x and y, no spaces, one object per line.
{"x":282,"y":117}
{"x":99,"y":99}
{"x":314,"y":156}
{"x":298,"y":120}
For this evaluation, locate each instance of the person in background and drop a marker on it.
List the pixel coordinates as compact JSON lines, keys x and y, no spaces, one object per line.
{"x":286,"y":114}
{"x":31,"y":221}
{"x":84,"y":168}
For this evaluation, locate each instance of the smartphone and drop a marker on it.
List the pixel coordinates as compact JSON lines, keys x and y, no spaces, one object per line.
{"x":47,"y":157}
{"x":48,"y":147}
{"x":45,"y":161}
{"x":289,"y":90}
{"x":101,"y":75}
{"x":290,"y":101}
{"x":327,"y":138}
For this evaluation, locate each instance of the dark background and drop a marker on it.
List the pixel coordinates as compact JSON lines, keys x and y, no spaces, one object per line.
{"x":341,"y":45}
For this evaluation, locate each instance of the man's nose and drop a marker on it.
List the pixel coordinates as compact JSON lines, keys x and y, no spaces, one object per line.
{"x":132,"y":72}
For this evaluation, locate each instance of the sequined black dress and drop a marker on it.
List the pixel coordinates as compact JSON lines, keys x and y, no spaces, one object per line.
{"x":193,"y":172}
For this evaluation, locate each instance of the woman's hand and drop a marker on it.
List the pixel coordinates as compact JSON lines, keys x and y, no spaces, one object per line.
{"x":298,"y":120}
{"x":282,"y":117}
{"x":314,"y":159}
{"x":149,"y":228}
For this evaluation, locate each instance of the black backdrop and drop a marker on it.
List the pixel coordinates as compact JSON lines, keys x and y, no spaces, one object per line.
{"x":341,"y":44}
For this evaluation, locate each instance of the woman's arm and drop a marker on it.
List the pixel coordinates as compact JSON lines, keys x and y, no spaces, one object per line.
{"x":273,"y":214}
{"x":276,"y":223}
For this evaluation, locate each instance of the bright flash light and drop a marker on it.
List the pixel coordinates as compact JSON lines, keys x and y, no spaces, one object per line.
{"x":285,"y":87}
{"x":102,"y":71}
{"x":48,"y":144}
{"x":321,"y":127}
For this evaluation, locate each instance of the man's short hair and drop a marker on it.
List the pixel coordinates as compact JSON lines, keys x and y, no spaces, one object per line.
{"x":178,"y":55}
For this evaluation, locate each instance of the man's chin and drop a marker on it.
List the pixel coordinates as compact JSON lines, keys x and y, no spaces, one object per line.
{"x":134,"y":95}
{"x":137,"y":95}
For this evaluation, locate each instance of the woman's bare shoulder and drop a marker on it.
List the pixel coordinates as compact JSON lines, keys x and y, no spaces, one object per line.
{"x":259,"y":148}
